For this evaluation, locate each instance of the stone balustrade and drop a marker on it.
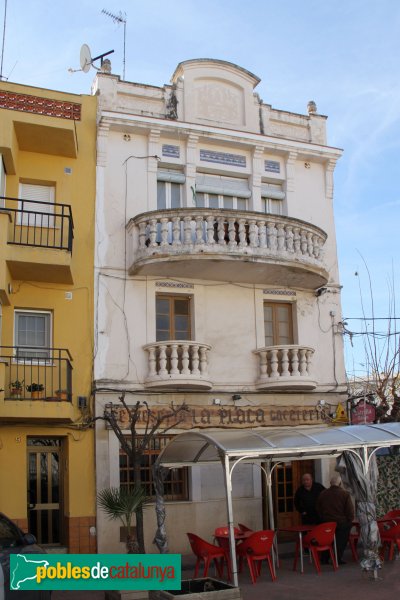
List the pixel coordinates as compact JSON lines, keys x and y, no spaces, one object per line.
{"x":286,"y":366}
{"x":227,"y":231}
{"x":201,"y":233}
{"x":181,"y":364}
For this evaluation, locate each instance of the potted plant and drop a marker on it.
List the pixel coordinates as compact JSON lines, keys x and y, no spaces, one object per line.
{"x":121,"y":504}
{"x":61,"y":395}
{"x":16,"y":388}
{"x":36,"y":390}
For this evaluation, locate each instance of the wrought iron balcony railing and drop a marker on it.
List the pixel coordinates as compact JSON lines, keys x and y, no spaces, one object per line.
{"x":40,"y":224}
{"x":37,"y":373}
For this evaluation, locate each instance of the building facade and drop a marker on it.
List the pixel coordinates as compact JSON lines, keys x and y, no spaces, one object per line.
{"x":47,"y":195}
{"x":217,"y":280}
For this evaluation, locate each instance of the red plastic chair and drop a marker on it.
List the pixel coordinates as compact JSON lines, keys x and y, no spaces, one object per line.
{"x":224,"y":531}
{"x":353,"y":541}
{"x":244,"y":528}
{"x":221,"y":537}
{"x":390,"y":538}
{"x":206,"y":552}
{"x":256,"y":548}
{"x":394,"y":515}
{"x":319,"y":539}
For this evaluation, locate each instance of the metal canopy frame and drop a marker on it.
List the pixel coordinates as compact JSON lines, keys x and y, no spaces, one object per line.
{"x":273,"y":445}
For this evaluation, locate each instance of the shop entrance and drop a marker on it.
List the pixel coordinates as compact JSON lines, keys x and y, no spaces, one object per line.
{"x":44,"y":489}
{"x":286,"y":479}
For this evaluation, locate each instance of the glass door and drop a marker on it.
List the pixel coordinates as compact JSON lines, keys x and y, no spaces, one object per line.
{"x":44,"y":514}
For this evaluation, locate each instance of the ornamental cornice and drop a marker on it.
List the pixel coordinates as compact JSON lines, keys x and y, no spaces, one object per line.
{"x":244,"y":139}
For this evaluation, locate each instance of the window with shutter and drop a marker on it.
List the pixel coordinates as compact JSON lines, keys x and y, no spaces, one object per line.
{"x":272,"y":198}
{"x":218,"y":191}
{"x":36,"y":205}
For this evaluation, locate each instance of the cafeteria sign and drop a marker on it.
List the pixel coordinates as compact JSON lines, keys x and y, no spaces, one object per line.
{"x":363,"y":412}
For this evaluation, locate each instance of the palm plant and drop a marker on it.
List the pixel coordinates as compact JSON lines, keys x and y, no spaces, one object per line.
{"x":122,"y":504}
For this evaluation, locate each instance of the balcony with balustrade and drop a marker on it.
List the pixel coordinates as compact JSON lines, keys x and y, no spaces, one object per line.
{"x":35,"y":384}
{"x":285,"y":367}
{"x":36,"y":240}
{"x":177,"y":364}
{"x":228,"y":245}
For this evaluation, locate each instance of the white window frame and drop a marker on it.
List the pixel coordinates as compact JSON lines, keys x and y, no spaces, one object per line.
{"x":223,"y":188}
{"x":49,"y":333}
{"x":42,"y":193}
{"x":221,"y":198}
{"x":272,"y":199}
{"x":168,"y":194}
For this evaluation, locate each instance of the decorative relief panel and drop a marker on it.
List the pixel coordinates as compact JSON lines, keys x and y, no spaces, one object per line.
{"x":172,"y":284}
{"x":170,"y":150}
{"x":217,"y":101}
{"x":223,"y":158}
{"x":40,"y":106}
{"x":279,"y":292}
{"x":272,"y":166}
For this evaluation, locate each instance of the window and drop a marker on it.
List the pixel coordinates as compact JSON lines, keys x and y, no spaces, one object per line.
{"x":168,"y":195}
{"x":217,"y":191}
{"x":173,"y":318}
{"x":278,"y":324}
{"x":32,"y":334}
{"x":219,"y":201}
{"x":39,"y":212}
{"x":272,"y":198}
{"x":176,"y":484}
{"x":169,"y":188}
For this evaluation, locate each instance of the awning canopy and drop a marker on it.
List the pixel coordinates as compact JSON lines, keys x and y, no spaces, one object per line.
{"x":275,"y":443}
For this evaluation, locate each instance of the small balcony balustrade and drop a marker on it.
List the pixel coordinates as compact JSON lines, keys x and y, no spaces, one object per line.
{"x":228,"y":245}
{"x":179,"y":364}
{"x":39,"y":238}
{"x":285,"y":367}
{"x":32,"y":379}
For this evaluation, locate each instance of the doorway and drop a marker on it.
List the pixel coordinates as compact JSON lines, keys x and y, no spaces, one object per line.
{"x":45,"y":489}
{"x":285,"y":481}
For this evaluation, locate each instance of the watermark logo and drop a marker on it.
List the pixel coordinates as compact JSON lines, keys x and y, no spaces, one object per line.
{"x":95,"y":571}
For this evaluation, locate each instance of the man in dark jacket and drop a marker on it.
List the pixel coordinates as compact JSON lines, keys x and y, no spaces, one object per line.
{"x":335,"y":504}
{"x":305,"y":499}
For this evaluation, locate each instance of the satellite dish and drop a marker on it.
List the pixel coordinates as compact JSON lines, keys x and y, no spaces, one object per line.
{"x":86,"y":58}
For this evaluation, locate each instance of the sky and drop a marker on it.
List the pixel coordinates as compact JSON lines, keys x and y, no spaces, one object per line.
{"x":343,"y":54}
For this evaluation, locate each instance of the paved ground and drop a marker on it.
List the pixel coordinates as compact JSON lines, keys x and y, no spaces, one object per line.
{"x":348,"y":582}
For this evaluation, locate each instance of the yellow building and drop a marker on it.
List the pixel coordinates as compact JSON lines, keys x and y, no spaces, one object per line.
{"x":47,"y":195}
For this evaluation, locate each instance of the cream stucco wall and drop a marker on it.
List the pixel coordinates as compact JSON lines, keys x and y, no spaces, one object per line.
{"x":216,"y":110}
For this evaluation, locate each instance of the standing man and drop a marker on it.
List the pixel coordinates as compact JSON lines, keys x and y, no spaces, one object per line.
{"x":305,"y":499}
{"x":335,"y":504}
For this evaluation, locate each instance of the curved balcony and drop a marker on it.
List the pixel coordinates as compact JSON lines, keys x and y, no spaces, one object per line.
{"x":227,"y":245}
{"x":180,"y":364}
{"x":285,"y":367}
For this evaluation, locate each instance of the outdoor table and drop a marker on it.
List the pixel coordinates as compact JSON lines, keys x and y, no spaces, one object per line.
{"x":223,"y":540}
{"x":299,"y":529}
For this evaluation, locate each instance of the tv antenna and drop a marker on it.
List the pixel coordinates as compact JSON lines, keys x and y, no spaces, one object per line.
{"x":4,"y":39}
{"x":87,"y":60}
{"x":120,"y":18}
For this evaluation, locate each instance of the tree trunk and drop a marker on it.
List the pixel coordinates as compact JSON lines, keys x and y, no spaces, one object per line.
{"x":132,"y":545}
{"x":139,"y":512}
